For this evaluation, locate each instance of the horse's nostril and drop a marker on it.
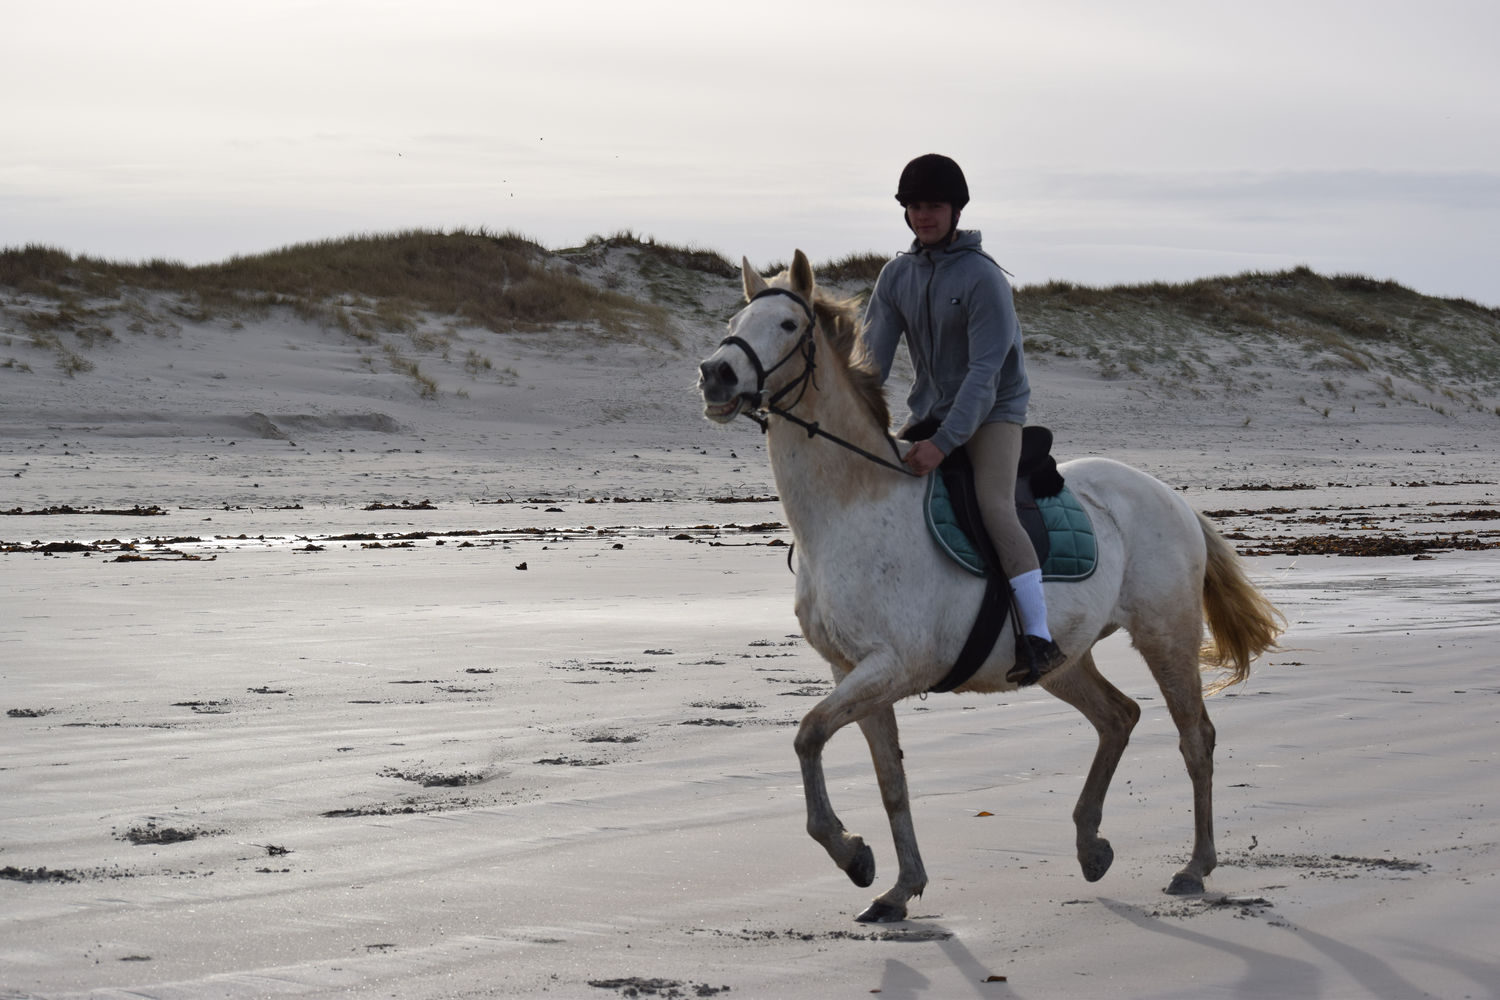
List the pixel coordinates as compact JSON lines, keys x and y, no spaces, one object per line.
{"x":718,"y":372}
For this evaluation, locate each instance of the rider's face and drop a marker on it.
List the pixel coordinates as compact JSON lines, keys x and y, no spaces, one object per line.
{"x":930,"y":220}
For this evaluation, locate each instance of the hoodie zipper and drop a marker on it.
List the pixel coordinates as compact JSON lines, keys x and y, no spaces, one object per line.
{"x":927,"y":302}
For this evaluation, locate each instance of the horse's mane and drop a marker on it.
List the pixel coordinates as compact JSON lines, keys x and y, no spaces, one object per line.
{"x":839,"y":318}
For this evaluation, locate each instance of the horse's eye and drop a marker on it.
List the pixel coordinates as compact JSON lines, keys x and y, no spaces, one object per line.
{"x":789,"y":326}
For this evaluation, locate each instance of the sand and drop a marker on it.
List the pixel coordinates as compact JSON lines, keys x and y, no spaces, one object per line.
{"x":526,"y":728}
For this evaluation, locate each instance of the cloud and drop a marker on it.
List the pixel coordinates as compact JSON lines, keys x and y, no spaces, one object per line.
{"x":1455,"y":190}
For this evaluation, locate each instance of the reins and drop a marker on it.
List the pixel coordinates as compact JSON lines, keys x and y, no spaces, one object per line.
{"x":806,"y":346}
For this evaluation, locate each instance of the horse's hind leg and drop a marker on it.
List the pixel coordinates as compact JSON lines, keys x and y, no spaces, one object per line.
{"x":885,"y":749}
{"x":1113,"y":716}
{"x":1173,"y":659}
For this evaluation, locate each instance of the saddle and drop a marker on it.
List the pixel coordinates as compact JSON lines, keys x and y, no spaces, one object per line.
{"x":1046,"y":509}
{"x":1061,"y":532}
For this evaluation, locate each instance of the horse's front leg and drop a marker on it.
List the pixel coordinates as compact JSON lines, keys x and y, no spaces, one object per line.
{"x":859,"y":692}
{"x":885,"y":750}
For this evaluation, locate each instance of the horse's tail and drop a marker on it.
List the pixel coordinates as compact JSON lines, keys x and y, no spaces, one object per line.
{"x":1242,"y":622}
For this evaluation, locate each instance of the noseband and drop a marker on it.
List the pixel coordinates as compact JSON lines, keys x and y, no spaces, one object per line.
{"x":806,"y":347}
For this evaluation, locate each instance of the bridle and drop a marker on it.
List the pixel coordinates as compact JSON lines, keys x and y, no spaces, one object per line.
{"x":805,"y":346}
{"x":762,"y":408}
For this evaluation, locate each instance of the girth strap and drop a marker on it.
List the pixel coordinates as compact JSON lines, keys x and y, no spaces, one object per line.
{"x":998,"y":602}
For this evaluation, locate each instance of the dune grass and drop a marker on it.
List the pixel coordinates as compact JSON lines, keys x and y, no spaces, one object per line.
{"x":499,"y":282}
{"x":384,"y":290}
{"x":1346,"y":322}
{"x":858,"y":268}
{"x":665,"y":254}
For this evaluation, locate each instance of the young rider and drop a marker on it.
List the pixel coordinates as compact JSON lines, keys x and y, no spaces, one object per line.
{"x":951,"y":302}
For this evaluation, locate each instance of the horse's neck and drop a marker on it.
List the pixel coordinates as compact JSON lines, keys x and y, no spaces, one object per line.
{"x":823,"y":484}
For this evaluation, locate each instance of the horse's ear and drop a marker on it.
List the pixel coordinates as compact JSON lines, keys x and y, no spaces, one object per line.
{"x":754,"y":283}
{"x":802,"y":276}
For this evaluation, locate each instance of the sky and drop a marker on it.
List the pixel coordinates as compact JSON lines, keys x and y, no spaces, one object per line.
{"x":1104,"y":142}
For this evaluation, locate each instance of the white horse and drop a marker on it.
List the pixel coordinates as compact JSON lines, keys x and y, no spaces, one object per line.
{"x":890,"y":613}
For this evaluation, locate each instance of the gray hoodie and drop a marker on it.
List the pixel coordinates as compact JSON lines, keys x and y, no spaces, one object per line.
{"x":955,"y":309}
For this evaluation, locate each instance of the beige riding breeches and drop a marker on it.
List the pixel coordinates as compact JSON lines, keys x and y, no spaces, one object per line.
{"x":995,"y":453}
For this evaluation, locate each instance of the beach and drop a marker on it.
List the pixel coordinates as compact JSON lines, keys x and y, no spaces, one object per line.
{"x":495,"y":697}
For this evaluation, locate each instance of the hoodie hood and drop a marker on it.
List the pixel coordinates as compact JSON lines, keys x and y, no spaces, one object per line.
{"x":964,"y":241}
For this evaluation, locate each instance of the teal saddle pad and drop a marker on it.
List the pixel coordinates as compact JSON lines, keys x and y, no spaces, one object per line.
{"x":1072,"y":555}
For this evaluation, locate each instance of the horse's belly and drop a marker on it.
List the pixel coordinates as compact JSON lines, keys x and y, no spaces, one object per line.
{"x":887,"y":609}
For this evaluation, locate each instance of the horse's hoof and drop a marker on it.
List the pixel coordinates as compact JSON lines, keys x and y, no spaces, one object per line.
{"x":1184,"y":884}
{"x":861,"y":870}
{"x":1097,"y":861}
{"x":881,"y":912}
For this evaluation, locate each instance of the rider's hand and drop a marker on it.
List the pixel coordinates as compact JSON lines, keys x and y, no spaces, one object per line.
{"x":923,"y":457}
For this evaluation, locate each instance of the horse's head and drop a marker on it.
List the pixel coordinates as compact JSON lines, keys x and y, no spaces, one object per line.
{"x":772,"y":329}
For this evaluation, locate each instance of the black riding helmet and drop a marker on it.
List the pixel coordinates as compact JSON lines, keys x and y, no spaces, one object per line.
{"x":933,"y":177}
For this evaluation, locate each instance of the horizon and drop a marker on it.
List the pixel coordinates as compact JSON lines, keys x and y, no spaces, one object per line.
{"x":1169,"y":142}
{"x":646,"y":239}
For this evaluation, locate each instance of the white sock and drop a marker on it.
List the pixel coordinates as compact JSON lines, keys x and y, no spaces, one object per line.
{"x":1032,"y":603}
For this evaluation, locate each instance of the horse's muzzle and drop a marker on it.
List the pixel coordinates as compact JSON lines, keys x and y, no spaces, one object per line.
{"x":723,"y":399}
